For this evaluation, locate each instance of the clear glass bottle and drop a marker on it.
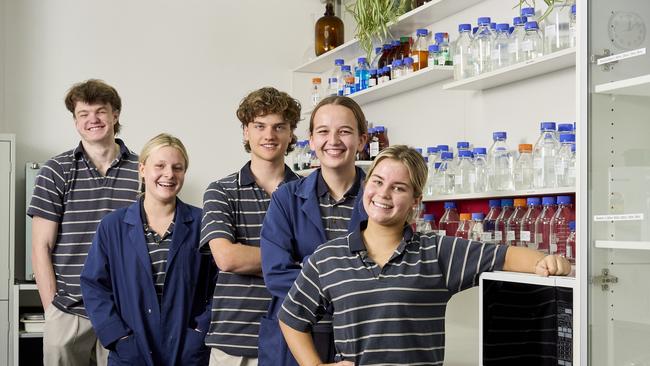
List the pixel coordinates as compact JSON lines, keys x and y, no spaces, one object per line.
{"x":425,"y":224}
{"x":316,"y":93}
{"x":349,"y":86}
{"x":563,"y":161}
{"x":560,"y":225}
{"x":480,"y":170}
{"x":476,"y":232}
{"x":516,"y":39}
{"x":345,"y":73}
{"x":489,"y":224}
{"x":513,"y":224}
{"x":337,"y":76}
{"x":544,"y":155}
{"x":444,"y":52}
{"x":556,"y":27}
{"x":462,"y":53}
{"x":397,"y":70}
{"x":500,"y":164}
{"x":543,"y":225}
{"x":527,"y":229}
{"x":328,"y":30}
{"x":500,"y":222}
{"x":465,"y":226}
{"x":482,"y":47}
{"x":434,"y":50}
{"x":385,"y":75}
{"x":373,"y":80}
{"x":524,"y":168}
{"x":465,"y":176}
{"x":573,"y":27}
{"x":373,"y":143}
{"x":533,"y":43}
{"x":500,"y":51}
{"x":435,"y":181}
{"x":446,"y":173}
{"x":571,"y":243}
{"x":449,"y":221}
{"x":407,"y":68}
{"x":361,"y":74}
{"x":420,"y":50}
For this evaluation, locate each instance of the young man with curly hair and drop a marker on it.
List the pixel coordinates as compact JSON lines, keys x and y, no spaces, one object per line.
{"x":233,"y":210}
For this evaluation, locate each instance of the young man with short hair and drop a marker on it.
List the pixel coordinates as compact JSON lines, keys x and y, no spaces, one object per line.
{"x":233,"y":210}
{"x":73,"y":192}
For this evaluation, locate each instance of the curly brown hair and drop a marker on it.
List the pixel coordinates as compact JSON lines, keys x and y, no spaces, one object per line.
{"x":267,"y":101}
{"x":94,"y":91}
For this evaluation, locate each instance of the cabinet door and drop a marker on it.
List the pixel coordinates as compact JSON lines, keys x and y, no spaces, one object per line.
{"x":5,"y":186}
{"x":619,"y":182}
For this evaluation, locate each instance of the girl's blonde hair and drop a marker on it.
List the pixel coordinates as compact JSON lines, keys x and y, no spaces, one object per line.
{"x":161,"y":140}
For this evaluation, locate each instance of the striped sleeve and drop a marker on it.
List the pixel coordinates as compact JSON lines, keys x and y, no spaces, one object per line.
{"x":47,"y":198}
{"x":462,"y":261}
{"x":305,"y":304}
{"x":217,"y":221}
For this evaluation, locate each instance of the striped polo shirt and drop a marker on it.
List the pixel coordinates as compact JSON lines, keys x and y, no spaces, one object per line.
{"x":393,"y":315}
{"x":335,"y":214}
{"x":70,"y":191}
{"x":234,"y":209}
{"x":158,"y":247}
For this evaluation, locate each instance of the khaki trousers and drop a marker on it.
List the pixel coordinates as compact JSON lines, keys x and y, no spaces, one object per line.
{"x":69,"y":340}
{"x":220,"y":358}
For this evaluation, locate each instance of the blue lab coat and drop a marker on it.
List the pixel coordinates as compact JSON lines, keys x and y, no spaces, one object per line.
{"x":291,"y":232}
{"x":119,"y":294}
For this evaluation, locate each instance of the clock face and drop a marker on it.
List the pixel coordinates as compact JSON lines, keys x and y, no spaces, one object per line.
{"x":626,"y":30}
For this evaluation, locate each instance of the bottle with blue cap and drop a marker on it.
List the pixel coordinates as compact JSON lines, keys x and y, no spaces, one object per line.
{"x":489,"y":223}
{"x":397,"y":71}
{"x":556,"y":26}
{"x":480,"y":170}
{"x":544,"y":155}
{"x":527,"y":229}
{"x":560,"y":225}
{"x":433,"y":180}
{"x":361,"y":74}
{"x":445,"y":173}
{"x":407,"y":68}
{"x":444,"y":53}
{"x":420,"y":50}
{"x":433,"y":55}
{"x":462,"y":53}
{"x":533,"y":43}
{"x":465,"y":175}
{"x":516,"y":40}
{"x":500,"y":164}
{"x":476,"y":231}
{"x":374,"y":63}
{"x":334,"y":84}
{"x":507,"y":208}
{"x":571,"y":243}
{"x":346,"y":73}
{"x":449,"y":221}
{"x":461,"y":145}
{"x":500,"y":54}
{"x":573,"y":27}
{"x":482,"y":47}
{"x":543,"y":225}
{"x":564,"y":171}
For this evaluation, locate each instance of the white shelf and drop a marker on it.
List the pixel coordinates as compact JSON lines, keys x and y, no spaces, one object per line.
{"x":639,"y":86}
{"x":24,"y":334}
{"x":420,"y":17}
{"x":521,"y":71}
{"x":614,"y":244}
{"x":530,"y":278}
{"x":363,"y":164}
{"x":413,"y":81}
{"x":501,"y":194}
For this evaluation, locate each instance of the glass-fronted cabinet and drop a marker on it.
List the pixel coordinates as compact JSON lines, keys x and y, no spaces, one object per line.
{"x":617,"y":197}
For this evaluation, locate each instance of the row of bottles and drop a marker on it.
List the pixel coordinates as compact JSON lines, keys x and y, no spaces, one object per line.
{"x":550,"y":163}
{"x":545,"y":225}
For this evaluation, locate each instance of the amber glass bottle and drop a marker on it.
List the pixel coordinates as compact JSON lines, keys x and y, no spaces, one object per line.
{"x":328,"y":30}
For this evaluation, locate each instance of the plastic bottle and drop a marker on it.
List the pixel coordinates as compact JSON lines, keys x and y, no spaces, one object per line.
{"x":513,"y":224}
{"x":433,"y":55}
{"x":573,"y":27}
{"x":465,"y":226}
{"x":462,"y":53}
{"x":560,"y":225}
{"x":556,"y":27}
{"x":361,"y":74}
{"x":565,"y":158}
{"x":516,"y":40}
{"x":500,"y":52}
{"x":524,"y":168}
{"x":449,"y":221}
{"x":482,"y":47}
{"x":444,"y":52}
{"x":465,"y":176}
{"x":571,"y":243}
{"x":420,"y":50}
{"x":446,"y":173}
{"x":407,"y":68}
{"x":316,"y":92}
{"x":500,"y":222}
{"x":533,"y":43}
{"x":397,"y":70}
{"x":527,"y":227}
{"x":544,"y":155}
{"x":480,"y":170}
{"x":476,"y":231}
{"x":543,"y":225}
{"x":489,"y":224}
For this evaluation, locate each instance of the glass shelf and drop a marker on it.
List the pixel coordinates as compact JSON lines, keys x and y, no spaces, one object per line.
{"x":639,"y":86}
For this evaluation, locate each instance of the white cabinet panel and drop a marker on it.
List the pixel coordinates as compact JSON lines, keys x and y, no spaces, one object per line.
{"x":5,"y":217}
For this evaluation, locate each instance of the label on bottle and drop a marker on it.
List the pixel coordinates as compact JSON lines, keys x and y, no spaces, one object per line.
{"x":486,"y":237}
{"x":510,"y":235}
{"x":374,"y":148}
{"x":442,"y":232}
{"x":553,"y":248}
{"x":550,"y":31}
{"x":538,"y":238}
{"x":527,"y":46}
{"x":458,"y":180}
{"x":524,"y":235}
{"x":498,"y":236}
{"x":569,"y":251}
{"x":415,"y":57}
{"x":533,"y":245}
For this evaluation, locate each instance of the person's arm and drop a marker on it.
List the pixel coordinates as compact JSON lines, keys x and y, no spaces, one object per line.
{"x":303,"y":349}
{"x":527,"y":260}
{"x":236,"y":257}
{"x":44,"y":234}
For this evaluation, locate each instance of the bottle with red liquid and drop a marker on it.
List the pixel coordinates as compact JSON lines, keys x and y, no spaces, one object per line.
{"x":489,"y":224}
{"x":513,"y":224}
{"x":449,"y":221}
{"x":500,"y":223}
{"x":571,"y":243}
{"x":527,"y":229}
{"x":560,"y":225}
{"x":465,"y":226}
{"x":543,"y":225}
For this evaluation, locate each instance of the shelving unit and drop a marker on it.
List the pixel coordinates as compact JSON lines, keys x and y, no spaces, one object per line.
{"x":617,"y":244}
{"x":420,"y":17}
{"x":524,"y":70}
{"x":501,"y":194}
{"x":639,"y":86}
